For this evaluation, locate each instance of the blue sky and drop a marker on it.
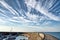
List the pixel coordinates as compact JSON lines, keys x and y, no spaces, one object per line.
{"x":30,"y":13}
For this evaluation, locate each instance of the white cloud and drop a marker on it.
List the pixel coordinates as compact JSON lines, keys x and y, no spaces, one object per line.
{"x":44,"y":11}
{"x":46,"y":23}
{"x":3,"y":13}
{"x":2,"y":21}
{"x":13,"y":20}
{"x":32,"y":16}
{"x":8,"y":7}
{"x":21,"y":19}
{"x":28,"y":29}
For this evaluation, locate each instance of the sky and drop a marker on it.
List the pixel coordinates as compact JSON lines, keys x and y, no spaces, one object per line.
{"x":36,"y":15}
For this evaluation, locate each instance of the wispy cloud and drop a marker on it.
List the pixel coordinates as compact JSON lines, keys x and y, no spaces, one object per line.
{"x":32,"y":16}
{"x":30,"y":21}
{"x":21,"y":19}
{"x":37,"y":6}
{"x":8,"y":7}
{"x":2,"y":21}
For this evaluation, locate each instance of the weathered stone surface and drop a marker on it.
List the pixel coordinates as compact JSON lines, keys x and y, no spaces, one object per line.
{"x":39,"y":36}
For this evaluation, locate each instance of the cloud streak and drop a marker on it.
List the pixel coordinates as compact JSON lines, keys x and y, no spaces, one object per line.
{"x":37,"y":6}
{"x":28,"y":21}
{"x":8,"y":7}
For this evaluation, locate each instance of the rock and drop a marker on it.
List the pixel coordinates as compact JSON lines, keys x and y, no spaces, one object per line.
{"x":39,"y":36}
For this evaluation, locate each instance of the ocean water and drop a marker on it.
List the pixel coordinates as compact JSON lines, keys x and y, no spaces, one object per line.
{"x":56,"y":34}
